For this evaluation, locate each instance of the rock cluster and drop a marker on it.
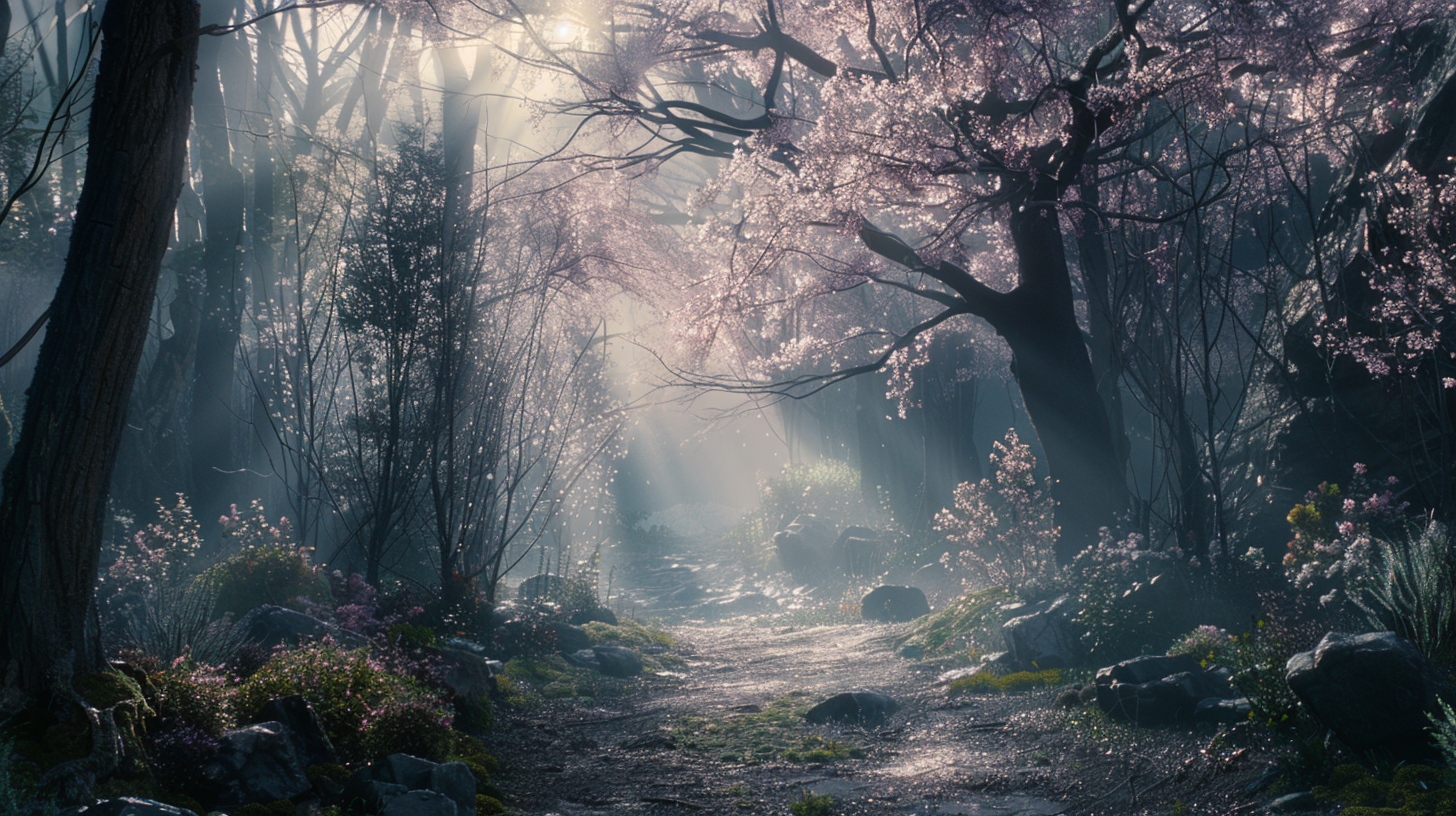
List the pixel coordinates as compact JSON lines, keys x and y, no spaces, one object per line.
{"x":403,"y":785}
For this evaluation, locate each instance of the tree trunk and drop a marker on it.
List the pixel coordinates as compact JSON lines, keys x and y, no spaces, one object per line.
{"x":1058,"y":387}
{"x":55,"y":485}
{"x":213,"y":414}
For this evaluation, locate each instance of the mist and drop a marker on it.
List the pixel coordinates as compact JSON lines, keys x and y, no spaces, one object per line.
{"x":812,"y":406}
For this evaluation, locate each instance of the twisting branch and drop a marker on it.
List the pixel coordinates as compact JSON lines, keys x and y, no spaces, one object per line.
{"x":980,"y":299}
{"x":808,"y":385}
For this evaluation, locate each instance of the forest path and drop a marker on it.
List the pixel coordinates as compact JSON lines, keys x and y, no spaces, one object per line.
{"x":635,"y":754}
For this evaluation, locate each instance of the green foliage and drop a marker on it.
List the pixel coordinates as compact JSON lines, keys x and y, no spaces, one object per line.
{"x":1414,"y":591}
{"x":151,"y":601}
{"x":415,"y":728}
{"x":985,"y":681}
{"x":1443,"y":729}
{"x":195,"y":696}
{"x":776,"y":732}
{"x":474,"y":715}
{"x":338,"y":773}
{"x":410,"y":636}
{"x":628,"y":633}
{"x":1412,"y":790}
{"x":267,"y":569}
{"x":1210,"y":644}
{"x":967,"y":626}
{"x":1260,"y":655}
{"x":483,"y":767}
{"x":17,"y":780}
{"x":1115,"y":622}
{"x":816,"y":750}
{"x":347,"y":689}
{"x":488,"y":805}
{"x":813,"y":804}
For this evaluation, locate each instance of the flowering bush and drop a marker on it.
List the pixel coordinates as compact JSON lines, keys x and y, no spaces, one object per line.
{"x":419,"y":729}
{"x":1112,"y":620}
{"x":194,"y":696}
{"x":1210,"y":644}
{"x":268,"y":567}
{"x":152,"y":604}
{"x":1332,"y":531}
{"x":347,"y":688}
{"x":1005,"y":524}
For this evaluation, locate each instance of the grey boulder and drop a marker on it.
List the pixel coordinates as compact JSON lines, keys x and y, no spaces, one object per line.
{"x":1373,"y":690}
{"x":863,"y":707}
{"x":1157,"y":690}
{"x":894,"y":604}
{"x":379,"y":785}
{"x":1043,"y":637}
{"x":303,"y":727}
{"x":256,"y":764}
{"x":274,"y":626}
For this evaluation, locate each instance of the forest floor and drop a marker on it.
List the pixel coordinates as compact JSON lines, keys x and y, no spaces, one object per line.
{"x":717,"y":737}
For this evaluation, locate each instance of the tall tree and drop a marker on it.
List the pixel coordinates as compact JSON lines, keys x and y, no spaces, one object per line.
{"x":54,"y":500}
{"x":952,"y":139}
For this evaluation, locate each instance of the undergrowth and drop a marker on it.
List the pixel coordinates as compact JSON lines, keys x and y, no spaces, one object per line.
{"x":1412,"y":790}
{"x":965,"y":627}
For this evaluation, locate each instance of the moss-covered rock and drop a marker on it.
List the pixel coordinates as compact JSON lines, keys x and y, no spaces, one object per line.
{"x":1412,"y":790}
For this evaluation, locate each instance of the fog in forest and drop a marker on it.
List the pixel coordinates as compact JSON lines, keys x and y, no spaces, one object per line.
{"x":441,"y":407}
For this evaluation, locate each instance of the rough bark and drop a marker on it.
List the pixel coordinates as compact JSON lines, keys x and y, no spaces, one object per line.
{"x":55,"y":485}
{"x":1058,"y":387}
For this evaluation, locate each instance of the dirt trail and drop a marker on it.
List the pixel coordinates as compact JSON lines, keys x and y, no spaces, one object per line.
{"x":617,"y":756}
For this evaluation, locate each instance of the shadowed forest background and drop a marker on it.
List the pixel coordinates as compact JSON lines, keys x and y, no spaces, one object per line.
{"x":397,"y":370}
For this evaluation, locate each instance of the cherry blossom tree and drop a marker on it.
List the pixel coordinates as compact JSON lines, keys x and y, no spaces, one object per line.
{"x":954,"y":140}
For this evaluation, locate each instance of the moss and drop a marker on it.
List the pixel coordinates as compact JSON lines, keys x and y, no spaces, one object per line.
{"x":776,"y":732}
{"x":108,"y":688}
{"x":984,"y":681}
{"x":965,"y":626}
{"x":555,"y":679}
{"x":487,"y":805}
{"x":627,"y":633}
{"x":1412,"y":790}
{"x":816,"y":750}
{"x":813,"y":804}
{"x":337,"y":773}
